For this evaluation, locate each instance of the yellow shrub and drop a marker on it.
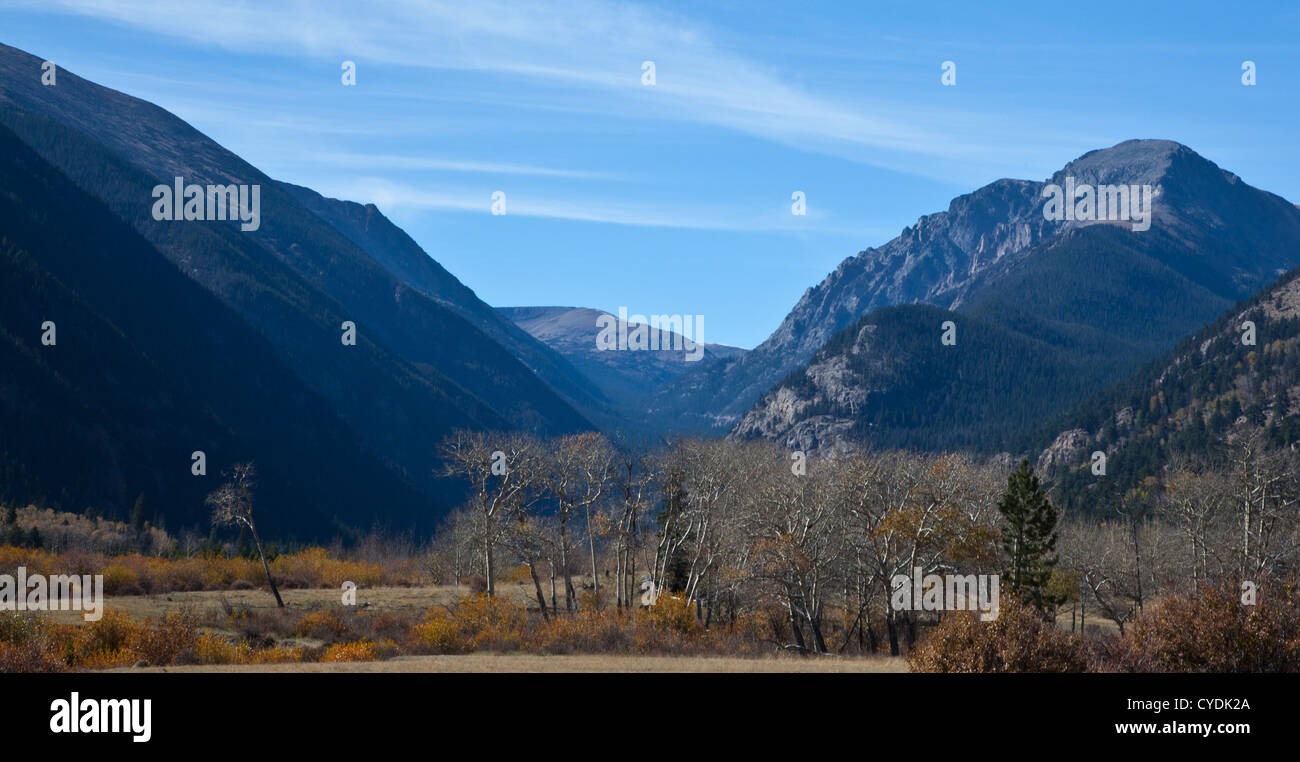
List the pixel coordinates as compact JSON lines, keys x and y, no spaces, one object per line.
{"x":37,"y":560}
{"x":474,"y":623}
{"x":212,"y":649}
{"x":674,"y":613}
{"x":440,"y":633}
{"x":360,"y":650}
{"x":121,"y":657}
{"x":118,"y":576}
{"x":161,"y":643}
{"x":114,"y":631}
{"x":518,"y":574}
{"x":277,"y":655}
{"x":324,"y":623}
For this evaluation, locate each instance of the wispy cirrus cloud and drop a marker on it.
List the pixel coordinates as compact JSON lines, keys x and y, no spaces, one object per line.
{"x":405,"y":198}
{"x":586,"y":47}
{"x":376,"y":161}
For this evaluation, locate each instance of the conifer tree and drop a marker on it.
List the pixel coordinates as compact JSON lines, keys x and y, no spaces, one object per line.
{"x":137,"y":514}
{"x":1029,"y":539}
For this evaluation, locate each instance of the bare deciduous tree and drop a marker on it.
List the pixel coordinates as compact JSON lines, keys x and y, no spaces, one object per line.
{"x":575,"y":472}
{"x":232,"y":504}
{"x":499,"y":469}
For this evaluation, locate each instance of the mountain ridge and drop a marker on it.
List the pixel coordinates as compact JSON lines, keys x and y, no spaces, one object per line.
{"x":948,"y":257}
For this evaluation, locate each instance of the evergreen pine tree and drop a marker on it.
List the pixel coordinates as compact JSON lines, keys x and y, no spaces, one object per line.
{"x":1029,"y":539}
{"x":137,"y":514}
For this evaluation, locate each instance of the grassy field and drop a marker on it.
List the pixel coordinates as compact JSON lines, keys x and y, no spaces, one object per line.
{"x":515,"y":663}
{"x":409,"y":599}
{"x":209,"y":606}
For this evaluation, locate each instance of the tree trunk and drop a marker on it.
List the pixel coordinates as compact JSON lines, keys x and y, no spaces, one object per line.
{"x":553,"y":608}
{"x":796,"y":630}
{"x":570,"y":597}
{"x":537,"y":587}
{"x":1137,"y":561}
{"x":591,"y":546}
{"x":266,"y":567}
{"x":819,"y":642}
{"x":487,"y":562}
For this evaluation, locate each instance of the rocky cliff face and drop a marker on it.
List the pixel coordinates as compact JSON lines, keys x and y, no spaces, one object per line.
{"x":1215,"y":233}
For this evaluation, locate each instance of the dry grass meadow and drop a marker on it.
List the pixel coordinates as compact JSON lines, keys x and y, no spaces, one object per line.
{"x":212,"y":609}
{"x":563,"y":663}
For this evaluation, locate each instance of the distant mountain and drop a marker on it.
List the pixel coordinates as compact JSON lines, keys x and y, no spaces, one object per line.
{"x":625,"y":377}
{"x":147,"y":367}
{"x":1187,"y":403}
{"x":391,"y":247}
{"x":889,"y":381}
{"x":1213,"y":239}
{"x":1085,"y":303}
{"x":425,"y":360}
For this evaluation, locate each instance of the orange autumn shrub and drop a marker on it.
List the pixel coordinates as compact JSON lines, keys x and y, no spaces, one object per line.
{"x":358,"y":650}
{"x":323,"y":624}
{"x":29,"y":644}
{"x":1212,"y":630}
{"x":278,"y":655}
{"x":516,"y":575}
{"x":315,"y":568}
{"x":1019,"y":640}
{"x":213,"y":649}
{"x":134,"y":574}
{"x":474,"y":623}
{"x":674,"y":613}
{"x":164,"y":642}
{"x":439,"y":633}
{"x":587,"y":631}
{"x":37,"y":560}
{"x":106,"y":642}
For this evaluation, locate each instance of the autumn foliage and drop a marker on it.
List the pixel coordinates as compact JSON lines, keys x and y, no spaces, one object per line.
{"x":1019,"y":640}
{"x":1214,"y":631}
{"x":136,"y":574}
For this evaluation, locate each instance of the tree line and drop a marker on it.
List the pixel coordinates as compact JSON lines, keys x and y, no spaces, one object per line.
{"x":732,"y":528}
{"x":739,"y":528}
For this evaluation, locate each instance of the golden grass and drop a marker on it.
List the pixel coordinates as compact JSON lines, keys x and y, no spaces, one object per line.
{"x":526,"y":663}
{"x":207,"y":606}
{"x":413,"y":599}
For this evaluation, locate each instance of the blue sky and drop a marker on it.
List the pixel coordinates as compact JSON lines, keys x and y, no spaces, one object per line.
{"x":676,"y":198}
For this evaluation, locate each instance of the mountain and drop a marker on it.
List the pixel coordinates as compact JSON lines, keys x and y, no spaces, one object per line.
{"x":890,"y":381}
{"x":391,"y":247}
{"x":1213,"y":239}
{"x":420,"y":367}
{"x":146,"y":367}
{"x":1187,"y":403}
{"x":624,"y":377}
